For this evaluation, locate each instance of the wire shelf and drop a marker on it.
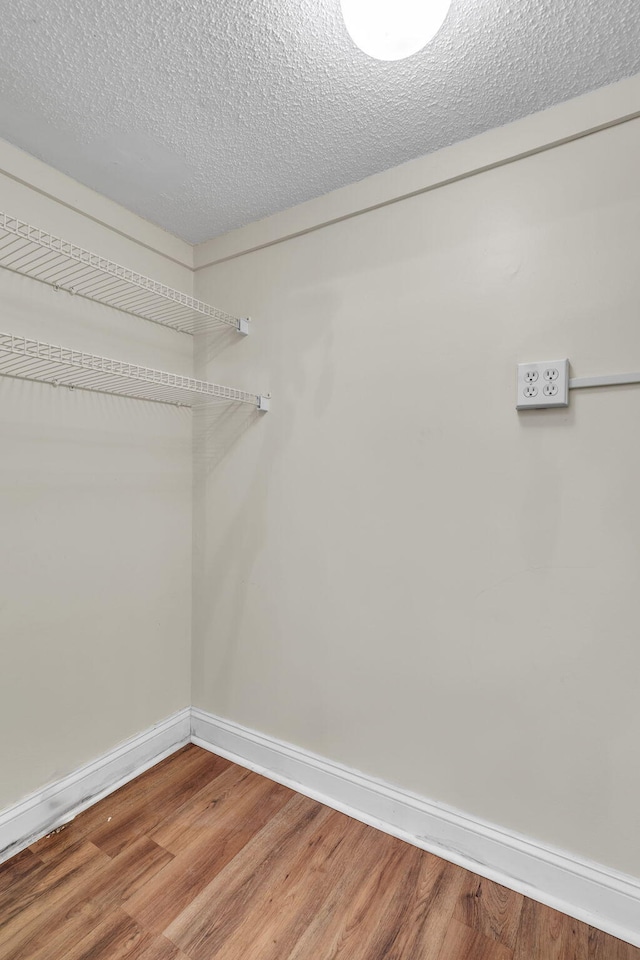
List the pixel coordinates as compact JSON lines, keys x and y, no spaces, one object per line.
{"x":62,"y":366}
{"x":65,"y":266}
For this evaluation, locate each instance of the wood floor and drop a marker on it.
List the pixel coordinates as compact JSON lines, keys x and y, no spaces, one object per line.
{"x":200,"y":859}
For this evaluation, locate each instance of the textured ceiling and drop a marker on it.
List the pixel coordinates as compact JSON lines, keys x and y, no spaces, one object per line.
{"x":202,"y":115}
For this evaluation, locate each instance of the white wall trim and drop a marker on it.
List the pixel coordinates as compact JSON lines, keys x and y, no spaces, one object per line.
{"x":583,"y":116}
{"x":592,"y":893}
{"x":58,"y":803}
{"x":586,"y":891}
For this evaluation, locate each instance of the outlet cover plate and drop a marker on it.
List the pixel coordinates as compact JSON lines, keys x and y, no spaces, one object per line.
{"x":543,"y":384}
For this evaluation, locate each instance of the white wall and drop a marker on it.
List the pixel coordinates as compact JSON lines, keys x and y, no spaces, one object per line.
{"x":394,"y":568}
{"x":95,"y":506}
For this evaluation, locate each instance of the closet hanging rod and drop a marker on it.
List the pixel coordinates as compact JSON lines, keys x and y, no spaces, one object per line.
{"x":66,"y":266}
{"x":61,"y":366}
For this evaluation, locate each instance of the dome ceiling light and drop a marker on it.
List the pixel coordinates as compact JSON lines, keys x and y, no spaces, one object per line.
{"x":393,"y":29}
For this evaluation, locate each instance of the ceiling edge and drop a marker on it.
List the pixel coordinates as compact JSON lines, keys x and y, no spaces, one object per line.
{"x":27,"y":170}
{"x":580,"y":117}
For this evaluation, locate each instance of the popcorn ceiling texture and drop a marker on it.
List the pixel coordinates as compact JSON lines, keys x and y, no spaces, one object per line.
{"x":205,"y":115}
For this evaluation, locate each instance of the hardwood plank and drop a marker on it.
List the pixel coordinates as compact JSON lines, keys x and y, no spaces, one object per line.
{"x":137,"y":866}
{"x":355,"y":924}
{"x":204,"y":859}
{"x":116,"y":937}
{"x":417,"y":922}
{"x":24,"y":865}
{"x":231,"y":825}
{"x":410,"y":910}
{"x":19,"y":890}
{"x":343,"y":907}
{"x":142,"y":815}
{"x":162,"y":949}
{"x":224,"y":904}
{"x":102,"y":934}
{"x":395,"y":912}
{"x":62,"y":931}
{"x":47,"y":880}
{"x":286,"y":904}
{"x":78,"y":828}
{"x":463,"y":943}
{"x":61,"y":874}
{"x":148,"y":791}
{"x":53,"y":932}
{"x":192,"y":822}
{"x":492,"y":910}
{"x":547,"y":934}
{"x":33,"y":915}
{"x":602,"y":946}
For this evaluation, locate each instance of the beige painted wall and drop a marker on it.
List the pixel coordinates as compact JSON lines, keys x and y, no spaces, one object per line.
{"x":95,"y":508}
{"x":393,"y":568}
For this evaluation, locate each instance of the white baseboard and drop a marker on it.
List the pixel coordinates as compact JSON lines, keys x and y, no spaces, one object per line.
{"x":59,"y":802}
{"x":586,"y":891}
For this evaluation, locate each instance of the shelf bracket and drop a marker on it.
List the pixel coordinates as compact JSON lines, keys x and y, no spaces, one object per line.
{"x":243,"y":326}
{"x":264,"y":403}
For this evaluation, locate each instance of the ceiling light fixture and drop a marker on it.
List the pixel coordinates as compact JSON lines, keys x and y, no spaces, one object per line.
{"x":393,"y":29}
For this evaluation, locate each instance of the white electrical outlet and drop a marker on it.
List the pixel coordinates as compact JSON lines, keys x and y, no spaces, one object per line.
{"x":544,"y":384}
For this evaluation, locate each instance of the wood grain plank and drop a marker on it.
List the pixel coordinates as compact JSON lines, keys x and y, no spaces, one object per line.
{"x":343,"y":907}
{"x":418,"y":926}
{"x":62,"y":931}
{"x":413,"y":907}
{"x":201,"y":859}
{"x":287,"y":903}
{"x":604,"y":947}
{"x":116,"y":937}
{"x":192,"y":822}
{"x":492,"y":910}
{"x":162,"y":949}
{"x":396,"y":912}
{"x":463,"y":943}
{"x":158,"y":785}
{"x":137,"y":866}
{"x":547,"y":934}
{"x":142,"y":815}
{"x":47,"y":880}
{"x":231,"y":826}
{"x":22,"y":864}
{"x":224,"y":904}
{"x":53,"y":932}
{"x":32,"y":916}
{"x":106,"y":935}
{"x":130,"y":793}
{"x":355,"y":925}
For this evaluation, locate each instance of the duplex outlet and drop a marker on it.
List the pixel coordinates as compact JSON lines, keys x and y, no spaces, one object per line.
{"x":543,"y":384}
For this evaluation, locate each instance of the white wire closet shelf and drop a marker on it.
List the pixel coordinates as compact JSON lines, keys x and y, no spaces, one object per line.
{"x":61,"y":366}
{"x":66,"y":266}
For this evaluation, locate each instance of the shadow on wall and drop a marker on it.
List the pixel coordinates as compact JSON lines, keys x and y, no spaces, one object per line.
{"x":232,"y":548}
{"x":216,"y":428}
{"x":211,"y":343}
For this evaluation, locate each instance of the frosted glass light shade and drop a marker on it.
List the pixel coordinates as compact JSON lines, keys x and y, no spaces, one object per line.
{"x":393,"y":29}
